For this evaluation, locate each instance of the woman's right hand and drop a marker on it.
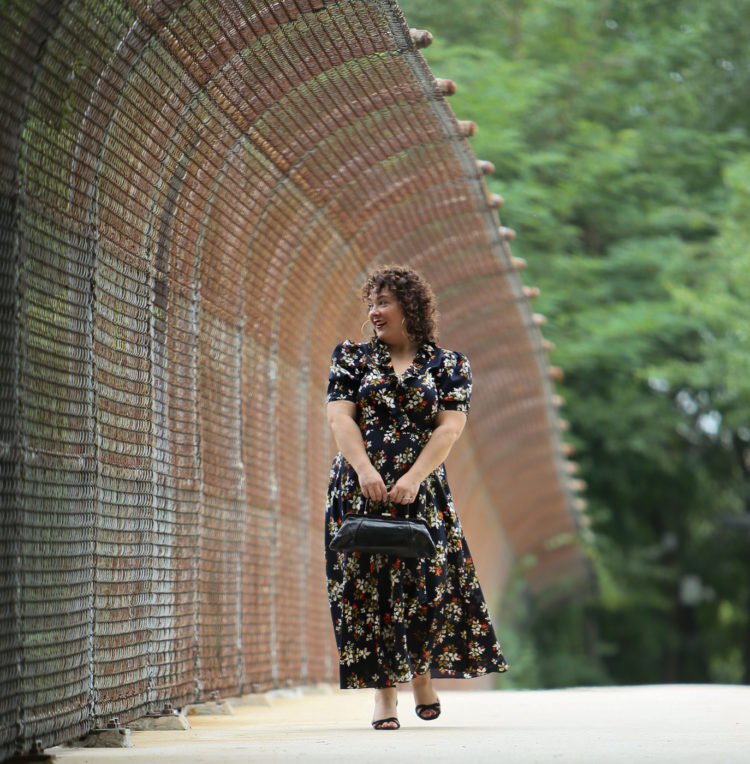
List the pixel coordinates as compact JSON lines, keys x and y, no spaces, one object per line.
{"x":372,"y":484}
{"x":342,"y":416}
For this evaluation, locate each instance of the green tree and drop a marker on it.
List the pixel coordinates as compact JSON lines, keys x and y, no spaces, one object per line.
{"x":711,"y":385}
{"x":618,"y":133}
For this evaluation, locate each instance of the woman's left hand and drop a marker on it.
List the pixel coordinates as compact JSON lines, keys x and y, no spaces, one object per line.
{"x":404,"y":490}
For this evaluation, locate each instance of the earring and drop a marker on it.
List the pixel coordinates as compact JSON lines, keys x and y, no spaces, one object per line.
{"x":404,"y":331}
{"x":362,"y":328}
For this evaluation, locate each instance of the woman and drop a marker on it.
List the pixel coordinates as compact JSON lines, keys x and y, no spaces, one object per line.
{"x":396,"y":405}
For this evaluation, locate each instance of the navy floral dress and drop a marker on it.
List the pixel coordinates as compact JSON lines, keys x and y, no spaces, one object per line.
{"x":394,"y":618}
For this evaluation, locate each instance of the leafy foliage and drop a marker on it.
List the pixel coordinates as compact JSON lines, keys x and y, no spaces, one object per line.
{"x":618,"y":130}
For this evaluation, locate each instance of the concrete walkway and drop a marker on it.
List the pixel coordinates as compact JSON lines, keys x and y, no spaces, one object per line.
{"x":660,"y":723}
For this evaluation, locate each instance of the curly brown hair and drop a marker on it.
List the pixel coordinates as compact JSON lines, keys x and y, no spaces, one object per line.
{"x":414,"y":295}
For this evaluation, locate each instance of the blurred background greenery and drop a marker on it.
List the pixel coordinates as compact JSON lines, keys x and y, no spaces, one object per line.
{"x":619,"y":132}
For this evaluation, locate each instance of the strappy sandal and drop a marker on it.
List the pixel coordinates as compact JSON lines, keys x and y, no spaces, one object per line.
{"x":379,"y":724}
{"x":422,"y":707}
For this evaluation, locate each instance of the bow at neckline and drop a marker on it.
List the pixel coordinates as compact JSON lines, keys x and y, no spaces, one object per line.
{"x":381,"y":355}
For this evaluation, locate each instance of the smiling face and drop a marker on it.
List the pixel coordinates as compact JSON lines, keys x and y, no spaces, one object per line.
{"x":386,"y":316}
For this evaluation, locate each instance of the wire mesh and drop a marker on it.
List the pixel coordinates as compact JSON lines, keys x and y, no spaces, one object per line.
{"x":190,"y":195}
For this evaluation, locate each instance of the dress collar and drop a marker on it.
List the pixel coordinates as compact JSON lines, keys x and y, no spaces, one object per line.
{"x":382,"y":357}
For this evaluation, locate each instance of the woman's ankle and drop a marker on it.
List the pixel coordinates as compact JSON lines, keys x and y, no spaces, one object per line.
{"x":386,"y":693}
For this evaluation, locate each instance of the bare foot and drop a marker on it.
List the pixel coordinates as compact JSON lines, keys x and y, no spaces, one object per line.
{"x":425,"y":695}
{"x":386,"y":701}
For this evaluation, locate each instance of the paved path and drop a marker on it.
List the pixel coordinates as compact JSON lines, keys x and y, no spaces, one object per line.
{"x":660,"y":723}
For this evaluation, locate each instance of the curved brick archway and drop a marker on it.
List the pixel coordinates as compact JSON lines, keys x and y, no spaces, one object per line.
{"x":191,"y":194}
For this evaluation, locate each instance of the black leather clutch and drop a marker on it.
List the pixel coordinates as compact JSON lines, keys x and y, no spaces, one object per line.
{"x":382,"y":534}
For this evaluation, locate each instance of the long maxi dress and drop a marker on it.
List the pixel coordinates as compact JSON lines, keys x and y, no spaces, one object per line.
{"x":395,"y":618}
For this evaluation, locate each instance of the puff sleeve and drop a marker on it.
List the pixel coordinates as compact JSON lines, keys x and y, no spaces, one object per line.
{"x":454,"y":383}
{"x":347,"y":368}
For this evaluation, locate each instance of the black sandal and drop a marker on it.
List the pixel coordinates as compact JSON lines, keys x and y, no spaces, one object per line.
{"x":422,"y":707}
{"x":378,"y":725}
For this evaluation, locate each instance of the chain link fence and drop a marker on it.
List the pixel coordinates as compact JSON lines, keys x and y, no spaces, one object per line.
{"x":191,"y":192}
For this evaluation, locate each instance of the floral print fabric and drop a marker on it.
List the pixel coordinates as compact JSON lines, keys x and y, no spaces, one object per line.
{"x":396,"y":618}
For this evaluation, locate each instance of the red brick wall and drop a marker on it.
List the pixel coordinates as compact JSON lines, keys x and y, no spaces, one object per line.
{"x":191,"y":195}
